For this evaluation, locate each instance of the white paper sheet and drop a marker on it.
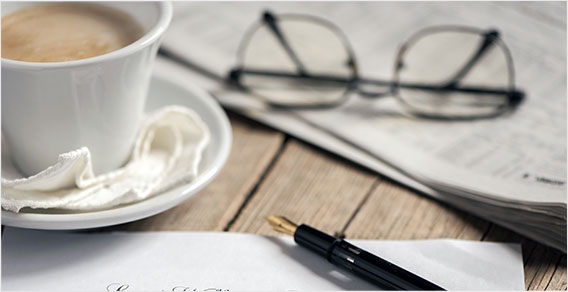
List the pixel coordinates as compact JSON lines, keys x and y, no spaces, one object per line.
{"x":174,"y":261}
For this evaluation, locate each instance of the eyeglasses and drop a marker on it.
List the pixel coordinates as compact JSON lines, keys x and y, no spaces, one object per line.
{"x":443,"y":72}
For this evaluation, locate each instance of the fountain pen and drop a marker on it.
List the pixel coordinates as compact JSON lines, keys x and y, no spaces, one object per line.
{"x":339,"y":252}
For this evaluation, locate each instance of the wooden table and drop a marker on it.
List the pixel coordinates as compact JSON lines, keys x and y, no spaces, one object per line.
{"x":270,"y":173}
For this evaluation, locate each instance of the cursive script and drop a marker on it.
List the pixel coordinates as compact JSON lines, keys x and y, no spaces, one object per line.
{"x":179,"y":288}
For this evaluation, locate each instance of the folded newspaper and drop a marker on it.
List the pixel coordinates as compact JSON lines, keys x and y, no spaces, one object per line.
{"x":510,"y":170}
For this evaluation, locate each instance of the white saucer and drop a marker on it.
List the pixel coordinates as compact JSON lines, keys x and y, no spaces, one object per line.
{"x":164,"y":90}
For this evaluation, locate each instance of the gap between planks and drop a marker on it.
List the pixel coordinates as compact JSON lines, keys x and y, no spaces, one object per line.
{"x":253,"y":190}
{"x":307,"y":186}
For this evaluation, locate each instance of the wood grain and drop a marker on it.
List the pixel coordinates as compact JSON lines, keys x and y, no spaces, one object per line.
{"x":253,"y":149}
{"x":394,"y":212}
{"x":558,"y":280}
{"x":306,"y":186}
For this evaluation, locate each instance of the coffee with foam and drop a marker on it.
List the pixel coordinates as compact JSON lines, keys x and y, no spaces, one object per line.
{"x":66,"y":32}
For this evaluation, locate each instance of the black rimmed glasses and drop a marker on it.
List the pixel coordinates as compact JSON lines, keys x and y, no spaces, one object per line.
{"x":443,"y":72}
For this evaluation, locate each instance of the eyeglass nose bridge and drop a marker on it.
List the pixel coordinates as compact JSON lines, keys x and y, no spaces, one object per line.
{"x":373,"y":88}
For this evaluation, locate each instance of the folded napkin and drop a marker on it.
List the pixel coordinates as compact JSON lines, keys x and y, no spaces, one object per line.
{"x":166,"y":154}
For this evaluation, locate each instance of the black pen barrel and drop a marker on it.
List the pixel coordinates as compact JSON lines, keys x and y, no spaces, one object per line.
{"x":313,"y":239}
{"x":382,"y":273}
{"x":378,"y":270}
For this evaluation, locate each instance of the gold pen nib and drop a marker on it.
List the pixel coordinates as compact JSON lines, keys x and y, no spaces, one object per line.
{"x":282,"y":224}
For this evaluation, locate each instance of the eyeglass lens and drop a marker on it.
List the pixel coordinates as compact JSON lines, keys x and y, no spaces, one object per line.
{"x":318,"y":48}
{"x":449,"y":58}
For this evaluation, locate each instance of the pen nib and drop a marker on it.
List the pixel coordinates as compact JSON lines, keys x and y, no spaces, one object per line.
{"x":281,"y":224}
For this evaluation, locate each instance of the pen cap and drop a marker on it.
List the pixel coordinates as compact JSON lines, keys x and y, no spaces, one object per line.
{"x":313,"y":239}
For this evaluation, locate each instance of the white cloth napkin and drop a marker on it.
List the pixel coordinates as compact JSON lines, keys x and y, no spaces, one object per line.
{"x":166,"y":154}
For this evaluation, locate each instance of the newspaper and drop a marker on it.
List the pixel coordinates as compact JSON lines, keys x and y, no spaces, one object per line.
{"x":511,"y":170}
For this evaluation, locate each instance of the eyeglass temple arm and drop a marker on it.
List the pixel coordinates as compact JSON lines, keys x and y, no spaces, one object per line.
{"x":489,"y":39}
{"x":271,"y":21}
{"x":515,"y":96}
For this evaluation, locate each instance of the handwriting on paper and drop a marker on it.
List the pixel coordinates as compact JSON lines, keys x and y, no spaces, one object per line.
{"x":179,"y":288}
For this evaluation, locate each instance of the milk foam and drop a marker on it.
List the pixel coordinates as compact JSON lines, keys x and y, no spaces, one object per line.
{"x":65,"y":32}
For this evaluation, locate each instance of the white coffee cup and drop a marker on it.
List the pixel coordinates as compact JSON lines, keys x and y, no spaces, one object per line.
{"x":98,"y":102}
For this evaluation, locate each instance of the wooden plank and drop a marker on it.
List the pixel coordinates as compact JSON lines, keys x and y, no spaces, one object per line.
{"x":394,"y":212}
{"x":253,"y":149}
{"x":558,"y":280}
{"x":540,"y":267}
{"x":542,"y":263}
{"x":307,"y":186}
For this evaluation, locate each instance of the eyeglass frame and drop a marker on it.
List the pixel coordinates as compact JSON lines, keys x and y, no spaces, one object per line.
{"x":514,"y":97}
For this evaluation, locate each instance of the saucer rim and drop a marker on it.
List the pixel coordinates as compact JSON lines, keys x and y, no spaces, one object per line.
{"x":144,"y":208}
